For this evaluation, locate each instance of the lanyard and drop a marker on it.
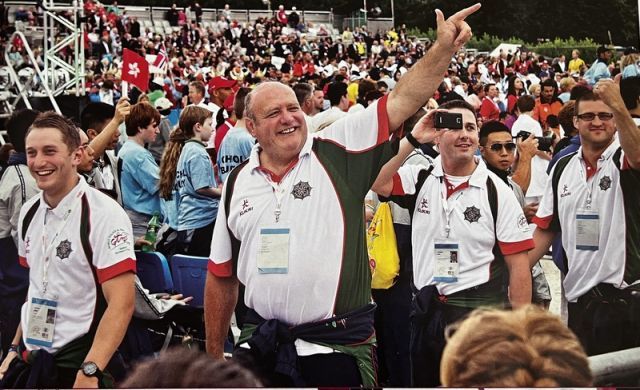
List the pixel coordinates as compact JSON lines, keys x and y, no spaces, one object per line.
{"x":585,"y":181}
{"x":445,"y":206}
{"x":280,"y":190}
{"x":48,"y":248}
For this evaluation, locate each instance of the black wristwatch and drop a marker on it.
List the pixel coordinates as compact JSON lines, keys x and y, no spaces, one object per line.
{"x":91,"y":369}
{"x":412,"y":140}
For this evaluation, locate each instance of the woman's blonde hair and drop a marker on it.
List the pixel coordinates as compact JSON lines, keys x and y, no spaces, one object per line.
{"x":190,"y":116}
{"x":169,"y":162}
{"x":528,"y":347}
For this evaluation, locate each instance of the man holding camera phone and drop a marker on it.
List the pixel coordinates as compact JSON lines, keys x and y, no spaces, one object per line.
{"x":455,"y":210}
{"x":532,"y":176}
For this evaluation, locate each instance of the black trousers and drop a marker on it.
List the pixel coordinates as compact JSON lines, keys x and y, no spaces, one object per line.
{"x":429,"y":318}
{"x":393,"y":333}
{"x":196,"y":242}
{"x":606,"y":319}
{"x":319,"y":370}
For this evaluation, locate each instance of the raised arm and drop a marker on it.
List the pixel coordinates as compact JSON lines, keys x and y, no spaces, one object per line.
{"x":628,"y":131}
{"x":424,"y":132}
{"x":100,"y":143}
{"x":421,"y":81}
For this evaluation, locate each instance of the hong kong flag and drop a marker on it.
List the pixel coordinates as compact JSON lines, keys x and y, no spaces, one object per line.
{"x":135,"y":70}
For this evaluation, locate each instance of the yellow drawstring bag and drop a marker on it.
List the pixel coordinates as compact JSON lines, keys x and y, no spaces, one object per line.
{"x":383,"y":249}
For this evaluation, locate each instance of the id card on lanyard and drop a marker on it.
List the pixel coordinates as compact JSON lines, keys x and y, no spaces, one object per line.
{"x":587,"y":230}
{"x":273,"y":253}
{"x":42,"y":321}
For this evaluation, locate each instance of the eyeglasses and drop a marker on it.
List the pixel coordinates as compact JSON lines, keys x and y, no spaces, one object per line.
{"x":508,"y":146}
{"x":589,"y":116}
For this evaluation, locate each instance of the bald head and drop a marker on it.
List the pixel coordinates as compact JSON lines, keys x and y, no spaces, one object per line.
{"x":268,"y":90}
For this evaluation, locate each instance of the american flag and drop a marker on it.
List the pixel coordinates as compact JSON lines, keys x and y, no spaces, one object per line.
{"x":161,"y":58}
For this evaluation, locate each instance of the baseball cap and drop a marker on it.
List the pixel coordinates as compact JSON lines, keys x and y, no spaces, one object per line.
{"x":221,"y":82}
{"x":162,"y":104}
{"x":602,"y":49}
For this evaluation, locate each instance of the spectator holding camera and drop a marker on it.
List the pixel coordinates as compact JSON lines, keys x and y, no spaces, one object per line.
{"x":490,"y":238}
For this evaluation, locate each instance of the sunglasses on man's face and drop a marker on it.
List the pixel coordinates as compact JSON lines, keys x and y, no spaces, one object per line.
{"x":589,"y":116}
{"x":508,"y":146}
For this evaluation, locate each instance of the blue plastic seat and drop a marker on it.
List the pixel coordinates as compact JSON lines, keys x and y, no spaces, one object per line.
{"x":153,"y":271}
{"x":189,"y":275}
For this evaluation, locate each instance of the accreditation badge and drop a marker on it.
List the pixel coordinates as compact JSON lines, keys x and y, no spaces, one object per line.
{"x":273,"y":253}
{"x":587,"y":230}
{"x":446,"y":256}
{"x":42,"y":321}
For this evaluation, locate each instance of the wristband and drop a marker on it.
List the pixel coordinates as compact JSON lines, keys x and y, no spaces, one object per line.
{"x":13,"y":348}
{"x":412,"y":140}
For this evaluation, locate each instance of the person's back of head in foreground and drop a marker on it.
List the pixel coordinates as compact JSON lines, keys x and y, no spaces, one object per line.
{"x":528,"y":347}
{"x":183,"y":368}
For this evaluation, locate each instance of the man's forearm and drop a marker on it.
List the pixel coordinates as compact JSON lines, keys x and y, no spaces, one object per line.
{"x":519,"y":279}
{"x":100,"y":143}
{"x":384,"y":182}
{"x":115,"y":320}
{"x":418,"y":84}
{"x":522,"y":173}
{"x":221,"y":295}
{"x":542,"y":240}
{"x":629,"y":135}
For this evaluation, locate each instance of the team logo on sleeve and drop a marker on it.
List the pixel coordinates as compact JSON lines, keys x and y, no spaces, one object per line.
{"x":523,"y":225}
{"x":119,"y":241}
{"x":605,"y":183}
{"x":472,"y":214}
{"x":63,"y":250}
{"x":423,"y":207}
{"x":301,"y":190}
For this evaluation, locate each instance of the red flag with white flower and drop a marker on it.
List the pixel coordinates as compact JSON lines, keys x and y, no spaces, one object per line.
{"x":135,"y":70}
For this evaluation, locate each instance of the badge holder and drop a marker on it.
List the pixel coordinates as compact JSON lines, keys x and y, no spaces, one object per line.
{"x":587,"y":230}
{"x":447,"y":261}
{"x":42,"y":321}
{"x":273,"y":253}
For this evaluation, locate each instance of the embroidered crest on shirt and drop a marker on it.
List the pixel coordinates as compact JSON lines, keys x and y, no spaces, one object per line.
{"x":472,"y":214}
{"x":301,"y":190}
{"x":605,"y":183}
{"x":63,"y":250}
{"x":423,"y":207}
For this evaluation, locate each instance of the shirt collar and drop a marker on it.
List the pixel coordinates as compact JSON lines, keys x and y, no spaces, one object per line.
{"x":254,"y":157}
{"x":66,"y":202}
{"x":478,"y":177}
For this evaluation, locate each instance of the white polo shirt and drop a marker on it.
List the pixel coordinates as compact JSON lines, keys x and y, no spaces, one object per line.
{"x":324,"y":190}
{"x":617,"y":260}
{"x":72,"y":278}
{"x":471,"y":224}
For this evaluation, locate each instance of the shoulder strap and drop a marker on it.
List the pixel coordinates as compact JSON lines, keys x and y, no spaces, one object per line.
{"x":85,"y":229}
{"x":616,"y":157}
{"x":492,"y":194}
{"x":231,"y":182}
{"x":555,"y":179}
{"x":422,"y":177}
{"x":23,"y":187}
{"x":28,"y":217}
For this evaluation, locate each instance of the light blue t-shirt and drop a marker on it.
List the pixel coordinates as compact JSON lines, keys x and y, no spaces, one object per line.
{"x":139,"y":181}
{"x":234,"y":149}
{"x":170,"y":211}
{"x":194,"y":171}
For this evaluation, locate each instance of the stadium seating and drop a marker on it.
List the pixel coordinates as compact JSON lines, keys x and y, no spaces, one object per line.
{"x":153,"y":271}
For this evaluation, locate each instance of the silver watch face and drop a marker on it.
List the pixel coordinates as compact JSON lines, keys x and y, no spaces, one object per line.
{"x":89,"y":368}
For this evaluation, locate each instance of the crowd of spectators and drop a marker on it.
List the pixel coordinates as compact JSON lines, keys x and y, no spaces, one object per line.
{"x":219,"y":79}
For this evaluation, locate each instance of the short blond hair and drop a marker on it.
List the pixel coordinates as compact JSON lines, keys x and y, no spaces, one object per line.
{"x":528,"y":347}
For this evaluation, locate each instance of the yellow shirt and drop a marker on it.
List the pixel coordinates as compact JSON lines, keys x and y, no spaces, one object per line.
{"x":576,"y":65}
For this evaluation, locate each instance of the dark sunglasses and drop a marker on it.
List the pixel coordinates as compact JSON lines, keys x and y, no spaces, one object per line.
{"x":589,"y":116}
{"x":509,"y":146}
